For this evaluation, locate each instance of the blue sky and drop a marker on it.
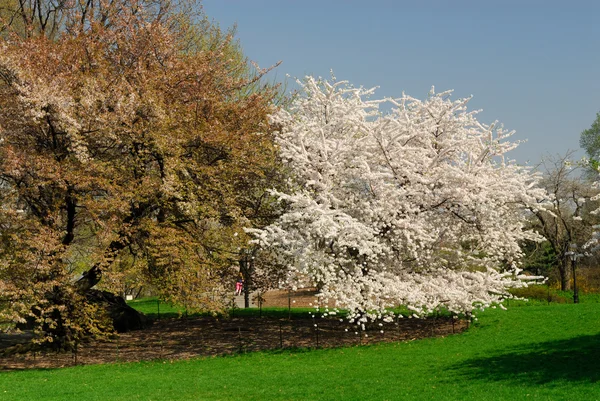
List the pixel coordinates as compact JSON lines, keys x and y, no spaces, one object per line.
{"x":532,"y":65}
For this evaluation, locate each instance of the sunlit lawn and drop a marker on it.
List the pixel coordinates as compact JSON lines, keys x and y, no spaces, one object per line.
{"x":156,"y":309}
{"x":539,"y":352}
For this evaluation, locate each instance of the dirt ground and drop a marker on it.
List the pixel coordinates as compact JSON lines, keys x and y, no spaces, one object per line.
{"x":303,"y":298}
{"x":207,"y":336}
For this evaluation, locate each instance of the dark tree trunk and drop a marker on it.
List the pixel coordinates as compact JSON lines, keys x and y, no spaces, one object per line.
{"x":247,"y":268}
{"x":249,"y":287}
{"x":89,"y":279}
{"x":575,"y":289}
{"x":124,"y":317}
{"x":564,"y":280}
{"x":563,"y":272}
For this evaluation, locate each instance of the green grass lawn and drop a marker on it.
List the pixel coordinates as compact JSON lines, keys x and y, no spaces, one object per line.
{"x":156,"y":309}
{"x":547,"y":352}
{"x":153,"y":307}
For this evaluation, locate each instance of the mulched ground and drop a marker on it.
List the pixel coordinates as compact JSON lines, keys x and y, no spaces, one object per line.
{"x":207,"y":336}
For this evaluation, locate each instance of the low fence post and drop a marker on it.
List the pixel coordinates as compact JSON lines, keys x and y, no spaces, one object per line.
{"x":280,"y":336}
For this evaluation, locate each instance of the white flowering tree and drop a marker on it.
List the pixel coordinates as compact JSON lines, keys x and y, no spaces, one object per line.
{"x":415,"y":207}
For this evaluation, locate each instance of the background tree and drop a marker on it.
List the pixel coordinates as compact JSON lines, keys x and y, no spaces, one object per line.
{"x":566,"y":220}
{"x":259,"y":268}
{"x":590,"y":140}
{"x":417,"y":207}
{"x":539,"y":258}
{"x":129,"y":135}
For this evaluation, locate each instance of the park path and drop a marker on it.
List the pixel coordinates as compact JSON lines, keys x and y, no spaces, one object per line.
{"x":239,"y":301}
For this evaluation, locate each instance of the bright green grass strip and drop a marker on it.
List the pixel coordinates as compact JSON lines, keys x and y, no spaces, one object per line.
{"x":534,"y":353}
{"x":154,"y":308}
{"x":584,"y":298}
{"x":275,"y":312}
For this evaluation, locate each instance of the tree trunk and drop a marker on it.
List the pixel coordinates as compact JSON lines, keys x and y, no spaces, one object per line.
{"x":247,"y":268}
{"x":563,"y":272}
{"x":66,"y":337}
{"x":89,"y":279}
{"x":575,"y":289}
{"x":124,"y":317}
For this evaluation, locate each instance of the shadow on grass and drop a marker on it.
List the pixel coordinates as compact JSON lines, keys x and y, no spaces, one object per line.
{"x":576,"y":359}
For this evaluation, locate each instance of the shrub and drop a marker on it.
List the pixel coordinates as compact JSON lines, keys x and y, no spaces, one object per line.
{"x":540,"y":293}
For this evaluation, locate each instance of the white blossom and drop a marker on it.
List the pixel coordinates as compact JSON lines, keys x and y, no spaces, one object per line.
{"x":416,"y":207}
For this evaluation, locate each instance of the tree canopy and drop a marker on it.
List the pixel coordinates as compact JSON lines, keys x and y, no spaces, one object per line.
{"x":590,"y":141}
{"x":415,"y":207}
{"x":567,"y":220}
{"x":133,"y":134}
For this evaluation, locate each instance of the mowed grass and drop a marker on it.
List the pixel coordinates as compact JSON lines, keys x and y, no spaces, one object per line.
{"x":157,"y":309}
{"x":549,"y":352}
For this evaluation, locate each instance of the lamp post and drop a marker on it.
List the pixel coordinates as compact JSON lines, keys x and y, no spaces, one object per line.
{"x":574,"y":256}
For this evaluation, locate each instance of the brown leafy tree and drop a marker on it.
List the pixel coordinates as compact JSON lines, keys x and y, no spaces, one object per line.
{"x":128,"y":132}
